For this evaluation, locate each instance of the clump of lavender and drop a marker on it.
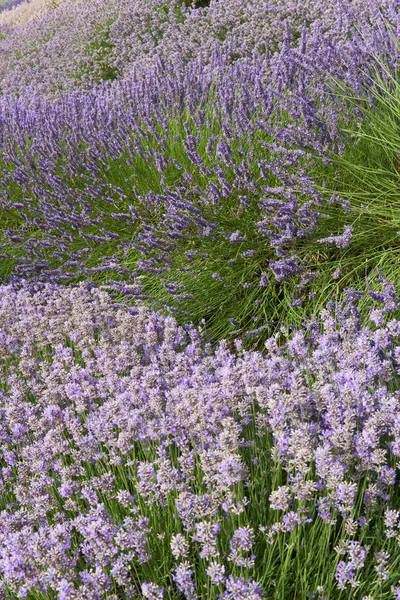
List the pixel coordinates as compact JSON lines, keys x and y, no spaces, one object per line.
{"x":135,"y":459}
{"x":79,"y":43}
{"x":9,"y":4}
{"x":363,"y":179}
{"x":197,"y":199}
{"x":200,"y":160}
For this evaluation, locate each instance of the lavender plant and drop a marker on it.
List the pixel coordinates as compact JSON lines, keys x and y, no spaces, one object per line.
{"x":136,"y":459}
{"x":8,"y":4}
{"x":68,"y":48}
{"x":198,"y":160}
{"x":25,"y":11}
{"x":221,"y":218}
{"x":366,"y":176}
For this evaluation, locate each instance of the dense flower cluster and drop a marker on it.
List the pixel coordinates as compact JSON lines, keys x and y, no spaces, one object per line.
{"x":109,"y":414}
{"x":25,"y":11}
{"x":9,"y":4}
{"x":182,"y":147}
{"x":80,"y":42}
{"x":162,"y":154}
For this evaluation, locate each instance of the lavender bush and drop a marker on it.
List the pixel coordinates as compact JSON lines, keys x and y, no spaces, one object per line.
{"x":199,"y":309}
{"x":78,"y":43}
{"x":366,"y":176}
{"x":25,"y":11}
{"x":136,"y":459}
{"x":209,"y":192}
{"x":8,"y":4}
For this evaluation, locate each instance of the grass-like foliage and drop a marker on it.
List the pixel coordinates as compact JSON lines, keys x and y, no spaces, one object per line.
{"x":357,"y":232}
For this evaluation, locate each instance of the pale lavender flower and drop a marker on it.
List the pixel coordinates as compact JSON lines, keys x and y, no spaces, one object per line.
{"x":264,"y":280}
{"x":242,"y":539}
{"x":376,"y":315}
{"x":345,"y":575}
{"x":216,"y":572}
{"x":291,"y":520}
{"x":206,"y":535}
{"x":239,"y":589}
{"x":179,"y":546}
{"x":236,"y":237}
{"x":357,"y":554}
{"x":242,"y":542}
{"x":381,"y":565}
{"x":392,"y":521}
{"x":151,"y":591}
{"x":184,"y":580}
{"x":341,"y":241}
{"x":125,"y":498}
{"x":66,"y":590}
{"x":66,"y":490}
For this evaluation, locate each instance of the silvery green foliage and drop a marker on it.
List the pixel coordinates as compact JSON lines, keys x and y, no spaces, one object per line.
{"x":85,"y":381}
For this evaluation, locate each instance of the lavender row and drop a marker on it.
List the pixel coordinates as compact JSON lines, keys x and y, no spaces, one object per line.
{"x":79,"y":44}
{"x":9,"y":4}
{"x":156,"y":162}
{"x":111,"y":418}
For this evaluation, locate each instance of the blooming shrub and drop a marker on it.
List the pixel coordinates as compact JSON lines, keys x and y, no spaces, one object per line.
{"x":132,"y":454}
{"x":204,"y":191}
{"x":24,"y":11}
{"x":8,"y":4}
{"x":232,"y":163}
{"x":72,"y":46}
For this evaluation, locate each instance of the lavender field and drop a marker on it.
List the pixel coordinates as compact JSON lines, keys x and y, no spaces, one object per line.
{"x":200,"y":299}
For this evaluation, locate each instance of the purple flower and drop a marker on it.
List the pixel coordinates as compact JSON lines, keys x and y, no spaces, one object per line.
{"x":151,"y":591}
{"x":239,"y":589}
{"x":242,"y":540}
{"x":216,"y":573}
{"x":184,"y":581}
{"x":341,"y":241}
